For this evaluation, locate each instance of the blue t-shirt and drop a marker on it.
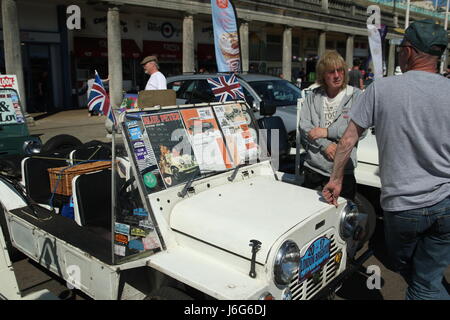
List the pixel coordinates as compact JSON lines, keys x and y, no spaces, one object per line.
{"x":411,"y":116}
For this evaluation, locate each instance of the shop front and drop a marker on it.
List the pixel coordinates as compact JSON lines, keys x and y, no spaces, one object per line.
{"x":91,"y":54}
{"x":170,"y":56}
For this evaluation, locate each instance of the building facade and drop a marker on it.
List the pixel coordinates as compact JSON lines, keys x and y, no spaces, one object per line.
{"x":277,"y":37}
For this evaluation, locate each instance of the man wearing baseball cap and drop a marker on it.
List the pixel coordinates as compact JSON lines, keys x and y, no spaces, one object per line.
{"x":157,"y":80}
{"x":411,"y":116}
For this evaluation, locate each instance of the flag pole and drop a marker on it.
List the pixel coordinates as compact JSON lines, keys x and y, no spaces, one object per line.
{"x":445,"y":54}
{"x":113,"y":186}
{"x":407,"y":14}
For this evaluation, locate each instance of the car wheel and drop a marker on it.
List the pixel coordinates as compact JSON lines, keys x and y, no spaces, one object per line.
{"x":364,"y":206}
{"x":60,"y":142}
{"x":168,"y":293}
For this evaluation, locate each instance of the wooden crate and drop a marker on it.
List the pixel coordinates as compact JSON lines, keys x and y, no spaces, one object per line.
{"x":61,"y":177}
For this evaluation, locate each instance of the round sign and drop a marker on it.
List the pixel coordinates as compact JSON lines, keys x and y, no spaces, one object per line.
{"x":222,"y":4}
{"x":150,"y":180}
{"x":167,"y":30}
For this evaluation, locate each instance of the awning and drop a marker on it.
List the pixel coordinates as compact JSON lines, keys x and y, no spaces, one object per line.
{"x":205,"y":52}
{"x":163,"y":50}
{"x":98,"y":47}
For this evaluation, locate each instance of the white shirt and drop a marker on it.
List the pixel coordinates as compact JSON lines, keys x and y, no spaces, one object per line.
{"x":157,"y":81}
{"x":330,"y":106}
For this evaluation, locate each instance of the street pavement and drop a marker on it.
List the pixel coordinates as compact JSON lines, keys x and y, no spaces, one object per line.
{"x":74,"y":122}
{"x":32,"y":278}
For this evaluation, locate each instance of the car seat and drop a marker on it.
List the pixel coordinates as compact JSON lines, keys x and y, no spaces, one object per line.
{"x":271,"y":123}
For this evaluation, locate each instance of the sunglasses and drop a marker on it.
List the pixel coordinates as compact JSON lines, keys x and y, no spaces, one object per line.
{"x":338,"y":70}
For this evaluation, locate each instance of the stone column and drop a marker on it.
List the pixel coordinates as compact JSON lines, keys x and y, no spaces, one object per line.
{"x":302,"y":49}
{"x":322,"y":43}
{"x":349,"y":50}
{"x":287,"y":53}
{"x":325,"y":5}
{"x":245,"y":52}
{"x":391,"y":61}
{"x":13,"y":49}
{"x":115,"y":57}
{"x":188,"y":43}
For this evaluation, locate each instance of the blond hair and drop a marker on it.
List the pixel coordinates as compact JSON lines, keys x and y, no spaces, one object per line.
{"x":330,"y":60}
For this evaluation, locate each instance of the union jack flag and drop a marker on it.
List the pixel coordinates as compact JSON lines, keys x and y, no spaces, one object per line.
{"x":99,"y":100}
{"x":226,"y":88}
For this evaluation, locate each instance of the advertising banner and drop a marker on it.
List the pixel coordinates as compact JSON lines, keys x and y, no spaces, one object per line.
{"x":376,"y":50}
{"x":226,"y":36}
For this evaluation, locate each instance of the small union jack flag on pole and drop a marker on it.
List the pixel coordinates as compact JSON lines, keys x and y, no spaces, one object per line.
{"x":226,"y":88}
{"x":99,"y":100}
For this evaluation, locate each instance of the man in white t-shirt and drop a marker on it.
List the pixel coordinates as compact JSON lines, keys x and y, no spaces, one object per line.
{"x":323,"y":119}
{"x":157,"y":80}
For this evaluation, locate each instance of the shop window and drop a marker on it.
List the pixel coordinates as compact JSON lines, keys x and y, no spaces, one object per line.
{"x":184,"y":90}
{"x":201,"y":92}
{"x":312,"y":43}
{"x":330,"y":44}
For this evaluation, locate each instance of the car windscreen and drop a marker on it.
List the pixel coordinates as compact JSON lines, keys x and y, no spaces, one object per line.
{"x":278,"y":92}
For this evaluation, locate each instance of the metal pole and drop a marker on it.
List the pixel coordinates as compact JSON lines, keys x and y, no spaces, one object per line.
{"x":445,"y":54}
{"x":407,"y":14}
{"x":446,"y":16}
{"x":113,"y":189}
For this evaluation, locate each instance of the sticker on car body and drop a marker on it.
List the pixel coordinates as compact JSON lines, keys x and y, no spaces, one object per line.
{"x":122,"y":228}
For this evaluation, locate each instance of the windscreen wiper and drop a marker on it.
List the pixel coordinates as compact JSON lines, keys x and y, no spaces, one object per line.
{"x":233,"y":176}
{"x":195,"y":174}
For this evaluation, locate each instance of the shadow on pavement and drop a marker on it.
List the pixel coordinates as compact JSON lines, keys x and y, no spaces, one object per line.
{"x":356,"y":288}
{"x":45,"y":115}
{"x":378,"y":245}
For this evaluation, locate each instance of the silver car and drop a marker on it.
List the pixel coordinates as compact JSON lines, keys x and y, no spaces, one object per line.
{"x":194,"y":88}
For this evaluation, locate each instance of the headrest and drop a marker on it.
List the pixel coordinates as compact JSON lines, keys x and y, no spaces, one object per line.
{"x":267,"y":109}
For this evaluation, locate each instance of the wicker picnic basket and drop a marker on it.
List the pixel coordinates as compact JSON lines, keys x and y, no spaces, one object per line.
{"x":61,"y":177}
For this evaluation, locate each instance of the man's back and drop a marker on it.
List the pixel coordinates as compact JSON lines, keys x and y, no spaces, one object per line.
{"x":411,"y":118}
{"x":157,"y":81}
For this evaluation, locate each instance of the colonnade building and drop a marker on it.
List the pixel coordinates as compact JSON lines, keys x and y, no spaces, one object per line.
{"x":277,"y":37}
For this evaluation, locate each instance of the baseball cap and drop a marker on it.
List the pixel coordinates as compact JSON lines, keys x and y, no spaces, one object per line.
{"x":149,"y":59}
{"x":424,"y":34}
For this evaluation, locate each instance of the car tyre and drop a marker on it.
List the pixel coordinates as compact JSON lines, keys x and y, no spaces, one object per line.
{"x":60,"y":142}
{"x":364,"y":206}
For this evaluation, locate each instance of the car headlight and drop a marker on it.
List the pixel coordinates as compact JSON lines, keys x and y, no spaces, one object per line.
{"x":32,"y":147}
{"x":349,"y":221}
{"x":286,"y":263}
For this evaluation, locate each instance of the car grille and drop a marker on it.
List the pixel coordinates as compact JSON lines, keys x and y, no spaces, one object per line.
{"x":308,"y":288}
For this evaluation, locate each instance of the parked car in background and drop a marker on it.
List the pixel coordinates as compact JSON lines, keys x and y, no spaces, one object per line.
{"x":194,"y":88}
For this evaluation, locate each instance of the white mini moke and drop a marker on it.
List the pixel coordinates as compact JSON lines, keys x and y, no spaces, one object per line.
{"x":231,"y":229}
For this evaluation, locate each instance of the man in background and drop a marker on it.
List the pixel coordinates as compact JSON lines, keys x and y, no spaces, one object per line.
{"x":355,"y":78}
{"x":157,"y":80}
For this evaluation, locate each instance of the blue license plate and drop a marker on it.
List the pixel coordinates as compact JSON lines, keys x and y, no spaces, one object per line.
{"x":315,"y":257}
